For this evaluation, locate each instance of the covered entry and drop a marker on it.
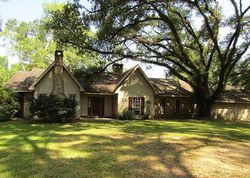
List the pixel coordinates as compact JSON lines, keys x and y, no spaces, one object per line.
{"x":96,"y":106}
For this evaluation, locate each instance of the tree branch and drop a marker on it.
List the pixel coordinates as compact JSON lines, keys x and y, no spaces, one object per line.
{"x":177,"y":37}
{"x":213,"y":36}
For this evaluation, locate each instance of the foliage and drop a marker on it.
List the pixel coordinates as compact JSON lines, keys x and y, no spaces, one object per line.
{"x":52,"y":108}
{"x":85,"y":75}
{"x":240,"y":77}
{"x":34,"y":45}
{"x":8,"y":104}
{"x":30,"y":42}
{"x":183,"y":36}
{"x":146,"y":116}
{"x":4,"y":72}
{"x":126,"y":115}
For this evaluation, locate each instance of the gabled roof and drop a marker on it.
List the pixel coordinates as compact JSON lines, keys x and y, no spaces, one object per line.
{"x":130,"y":73}
{"x":25,"y":81}
{"x":108,"y":82}
{"x":104,"y":82}
{"x":72,"y":76}
{"x":22,"y":80}
{"x":32,"y":87}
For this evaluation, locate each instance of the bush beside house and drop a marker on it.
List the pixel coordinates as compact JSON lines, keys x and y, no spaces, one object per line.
{"x":126,"y":115}
{"x":53,"y":108}
{"x":8,"y":104}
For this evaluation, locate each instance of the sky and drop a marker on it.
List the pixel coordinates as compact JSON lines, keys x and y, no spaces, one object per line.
{"x":28,"y":10}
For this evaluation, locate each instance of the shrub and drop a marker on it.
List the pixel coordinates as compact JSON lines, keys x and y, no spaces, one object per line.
{"x":8,"y":104}
{"x":53,"y":109}
{"x":146,"y":116}
{"x":126,"y":115}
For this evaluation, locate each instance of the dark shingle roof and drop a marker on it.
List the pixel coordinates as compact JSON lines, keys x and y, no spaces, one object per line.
{"x":105,"y":82}
{"x":170,"y":87}
{"x":234,"y":95}
{"x":22,"y":80}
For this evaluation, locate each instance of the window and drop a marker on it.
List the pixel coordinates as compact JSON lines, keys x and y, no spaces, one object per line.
{"x":136,"y":105}
{"x":72,"y":96}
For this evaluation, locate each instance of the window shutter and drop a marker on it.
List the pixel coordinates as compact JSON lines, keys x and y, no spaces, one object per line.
{"x":130,"y":104}
{"x":142,"y":105}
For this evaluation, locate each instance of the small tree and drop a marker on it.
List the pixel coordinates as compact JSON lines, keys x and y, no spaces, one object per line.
{"x":53,"y":109}
{"x":8,"y":104}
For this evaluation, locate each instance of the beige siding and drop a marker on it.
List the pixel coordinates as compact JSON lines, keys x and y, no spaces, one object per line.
{"x":135,"y":86}
{"x":108,"y":106}
{"x":70,"y":87}
{"x":231,"y":111}
{"x":45,"y":86}
{"x":84,"y":105}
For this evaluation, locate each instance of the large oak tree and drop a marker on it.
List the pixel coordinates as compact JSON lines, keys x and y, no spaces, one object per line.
{"x":191,"y":38}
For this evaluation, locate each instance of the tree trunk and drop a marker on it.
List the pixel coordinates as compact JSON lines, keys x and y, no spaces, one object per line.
{"x":203,"y":103}
{"x":203,"y":108}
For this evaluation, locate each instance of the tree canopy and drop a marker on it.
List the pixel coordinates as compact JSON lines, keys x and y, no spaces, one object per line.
{"x":240,"y":76}
{"x":193,"y":39}
{"x":34,"y":45}
{"x":4,"y":70}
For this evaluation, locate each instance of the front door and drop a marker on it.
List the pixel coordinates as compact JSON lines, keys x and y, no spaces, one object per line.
{"x":96,"y":106}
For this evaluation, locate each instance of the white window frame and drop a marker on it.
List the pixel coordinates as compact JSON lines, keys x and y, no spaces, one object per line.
{"x":136,"y":105}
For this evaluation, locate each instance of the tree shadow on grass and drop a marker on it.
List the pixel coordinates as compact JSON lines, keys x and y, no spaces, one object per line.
{"x":51,"y":150}
{"x":223,"y":130}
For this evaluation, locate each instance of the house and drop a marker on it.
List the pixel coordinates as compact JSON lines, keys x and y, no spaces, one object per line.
{"x":110,"y":93}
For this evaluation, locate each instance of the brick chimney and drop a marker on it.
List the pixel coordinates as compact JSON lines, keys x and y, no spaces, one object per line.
{"x":58,"y":78}
{"x":117,"y":68}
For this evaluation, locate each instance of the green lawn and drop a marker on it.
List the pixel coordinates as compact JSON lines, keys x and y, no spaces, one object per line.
{"x":125,"y":149}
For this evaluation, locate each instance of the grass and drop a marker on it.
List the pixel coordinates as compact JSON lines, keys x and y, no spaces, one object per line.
{"x":125,"y":149}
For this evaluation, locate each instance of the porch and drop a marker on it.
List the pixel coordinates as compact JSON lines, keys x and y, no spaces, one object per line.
{"x":98,"y":105}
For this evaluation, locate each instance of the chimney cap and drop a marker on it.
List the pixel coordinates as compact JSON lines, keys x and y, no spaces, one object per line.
{"x":58,"y":53}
